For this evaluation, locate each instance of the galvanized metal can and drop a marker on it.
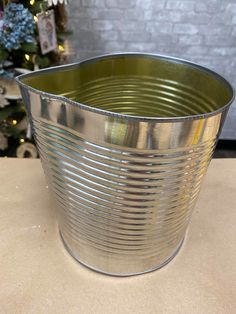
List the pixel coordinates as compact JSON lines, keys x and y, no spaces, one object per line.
{"x":125,"y":141}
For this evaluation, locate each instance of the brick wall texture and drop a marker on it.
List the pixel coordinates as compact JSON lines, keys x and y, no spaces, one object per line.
{"x":203,"y":31}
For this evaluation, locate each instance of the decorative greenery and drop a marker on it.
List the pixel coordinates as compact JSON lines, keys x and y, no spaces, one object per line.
{"x":18,"y":27}
{"x":20,"y":48}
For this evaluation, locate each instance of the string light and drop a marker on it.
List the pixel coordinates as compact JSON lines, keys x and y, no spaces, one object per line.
{"x":14,"y":122}
{"x":36,"y":19}
{"x":61,"y":48}
{"x":22,"y":140}
{"x":32,"y":2}
{"x":27,"y":57}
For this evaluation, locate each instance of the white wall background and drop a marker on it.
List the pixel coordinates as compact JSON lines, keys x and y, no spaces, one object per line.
{"x":201,"y":31}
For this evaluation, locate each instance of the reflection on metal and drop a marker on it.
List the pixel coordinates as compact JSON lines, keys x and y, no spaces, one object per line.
{"x":125,"y":141}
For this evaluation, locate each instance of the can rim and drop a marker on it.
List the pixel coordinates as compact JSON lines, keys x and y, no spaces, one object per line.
{"x":126,"y":116}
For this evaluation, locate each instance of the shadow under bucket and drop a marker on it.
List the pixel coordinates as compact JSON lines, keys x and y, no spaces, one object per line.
{"x":125,"y":141}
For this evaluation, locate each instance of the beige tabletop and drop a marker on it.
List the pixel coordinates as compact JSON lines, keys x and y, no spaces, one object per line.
{"x":37,"y":275}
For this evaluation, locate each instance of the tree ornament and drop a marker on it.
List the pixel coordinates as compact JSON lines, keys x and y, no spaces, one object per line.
{"x":9,"y":88}
{"x":3,"y":101}
{"x":56,"y":2}
{"x":47,"y":31}
{"x":18,"y":27}
{"x":27,"y":150}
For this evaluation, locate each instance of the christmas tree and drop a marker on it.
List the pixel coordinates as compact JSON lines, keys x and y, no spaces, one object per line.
{"x":32,"y":36}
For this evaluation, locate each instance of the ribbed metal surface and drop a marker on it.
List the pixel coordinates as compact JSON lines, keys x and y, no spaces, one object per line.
{"x":130,"y":204}
{"x":127,"y":168}
{"x":143,"y":96}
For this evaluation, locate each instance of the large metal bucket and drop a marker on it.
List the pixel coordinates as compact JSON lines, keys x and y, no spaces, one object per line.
{"x":125,"y":141}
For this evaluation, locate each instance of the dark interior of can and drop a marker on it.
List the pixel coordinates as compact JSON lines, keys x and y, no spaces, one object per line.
{"x":137,"y":85}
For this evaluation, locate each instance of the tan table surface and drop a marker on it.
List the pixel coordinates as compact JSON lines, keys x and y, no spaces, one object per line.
{"x":37,"y":275}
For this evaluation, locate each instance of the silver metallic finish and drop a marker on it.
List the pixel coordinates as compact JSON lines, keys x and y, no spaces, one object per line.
{"x":125,"y":147}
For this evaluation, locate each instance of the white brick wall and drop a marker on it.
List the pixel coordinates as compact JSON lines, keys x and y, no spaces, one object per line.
{"x":203,"y":31}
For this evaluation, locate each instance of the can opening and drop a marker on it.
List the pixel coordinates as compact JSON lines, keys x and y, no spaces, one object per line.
{"x":138,"y":85}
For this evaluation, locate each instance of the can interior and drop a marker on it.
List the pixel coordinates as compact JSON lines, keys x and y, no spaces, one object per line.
{"x":137,"y":85}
